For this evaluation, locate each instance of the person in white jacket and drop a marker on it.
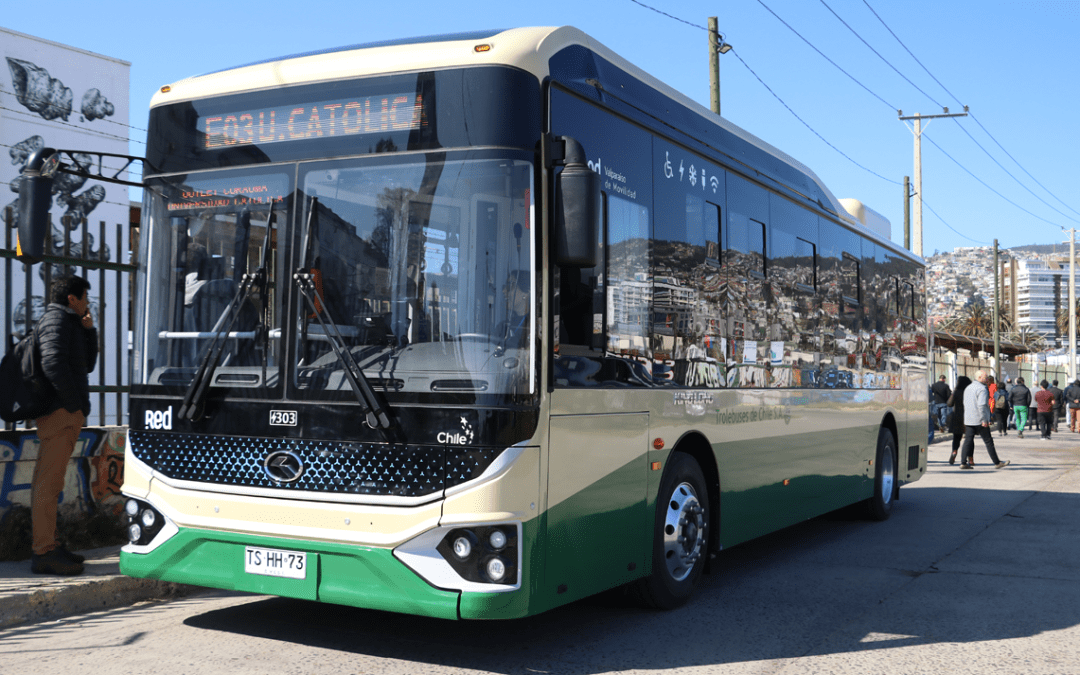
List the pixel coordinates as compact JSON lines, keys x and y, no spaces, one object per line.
{"x":977,"y":421}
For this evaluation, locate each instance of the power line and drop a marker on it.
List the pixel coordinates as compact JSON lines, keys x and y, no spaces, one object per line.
{"x":47,"y":102}
{"x":972,"y":115}
{"x":770,"y":90}
{"x":767,"y":87}
{"x":853,"y":78}
{"x":868,"y":46}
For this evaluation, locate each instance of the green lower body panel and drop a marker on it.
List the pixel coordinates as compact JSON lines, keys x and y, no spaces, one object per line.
{"x":342,"y":574}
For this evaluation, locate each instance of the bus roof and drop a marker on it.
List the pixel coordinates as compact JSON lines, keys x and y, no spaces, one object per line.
{"x":530,"y":49}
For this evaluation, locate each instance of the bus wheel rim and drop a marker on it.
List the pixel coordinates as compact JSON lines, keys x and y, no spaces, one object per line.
{"x":684,"y":531}
{"x":887,"y":475}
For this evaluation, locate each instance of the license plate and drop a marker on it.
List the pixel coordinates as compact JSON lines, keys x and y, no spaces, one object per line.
{"x":274,"y":563}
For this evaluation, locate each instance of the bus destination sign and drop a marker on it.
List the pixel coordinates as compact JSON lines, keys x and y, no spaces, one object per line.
{"x":312,"y":120}
{"x":230,"y":193}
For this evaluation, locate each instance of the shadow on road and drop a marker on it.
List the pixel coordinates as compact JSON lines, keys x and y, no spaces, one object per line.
{"x":951,"y":565}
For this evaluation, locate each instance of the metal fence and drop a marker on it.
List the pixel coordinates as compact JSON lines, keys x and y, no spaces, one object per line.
{"x":111,"y":297}
{"x":946,"y":363}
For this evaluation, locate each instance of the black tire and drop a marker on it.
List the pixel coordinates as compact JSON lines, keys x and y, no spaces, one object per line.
{"x":682,"y":512}
{"x":879,"y":507}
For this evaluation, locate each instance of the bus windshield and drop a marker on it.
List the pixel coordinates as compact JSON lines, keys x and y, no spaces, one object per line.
{"x":420,"y":267}
{"x":424,"y":266}
{"x":206,"y":232}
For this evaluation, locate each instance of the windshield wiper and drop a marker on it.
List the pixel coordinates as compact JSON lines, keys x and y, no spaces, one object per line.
{"x":193,"y":408}
{"x":375,"y":414}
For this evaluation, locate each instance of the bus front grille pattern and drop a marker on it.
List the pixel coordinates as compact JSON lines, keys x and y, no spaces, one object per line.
{"x":323,"y":466}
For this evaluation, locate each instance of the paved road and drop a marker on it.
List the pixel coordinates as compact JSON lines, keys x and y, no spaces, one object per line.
{"x":976,"y":572}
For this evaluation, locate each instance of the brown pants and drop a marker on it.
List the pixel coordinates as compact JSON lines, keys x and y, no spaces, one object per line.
{"x":57,"y":432}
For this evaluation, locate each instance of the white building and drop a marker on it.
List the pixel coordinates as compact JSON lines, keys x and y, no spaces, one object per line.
{"x":61,"y":97}
{"x":1037,"y":290}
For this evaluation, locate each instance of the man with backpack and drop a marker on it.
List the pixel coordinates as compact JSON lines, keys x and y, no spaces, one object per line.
{"x":1001,"y":409}
{"x":69,"y":347}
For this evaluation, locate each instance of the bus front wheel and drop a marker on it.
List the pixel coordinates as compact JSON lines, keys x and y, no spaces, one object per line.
{"x":879,"y":506}
{"x":680,"y":537}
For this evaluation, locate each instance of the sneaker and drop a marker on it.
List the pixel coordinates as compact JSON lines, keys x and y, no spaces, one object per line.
{"x":74,"y":557}
{"x":1019,"y":434}
{"x":967,"y":467}
{"x":55,"y":562}
{"x":1002,"y":464}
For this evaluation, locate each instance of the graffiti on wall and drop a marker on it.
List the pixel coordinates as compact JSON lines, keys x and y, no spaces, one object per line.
{"x":94,"y":474}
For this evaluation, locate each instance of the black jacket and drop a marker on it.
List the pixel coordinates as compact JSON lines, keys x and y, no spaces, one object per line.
{"x":1072,"y":393}
{"x":1020,"y":395}
{"x":941,"y":392}
{"x":68,"y":355}
{"x":1059,"y":397}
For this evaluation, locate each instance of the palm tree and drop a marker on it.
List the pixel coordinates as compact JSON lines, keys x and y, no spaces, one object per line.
{"x":977,"y":320}
{"x":1063,"y":319}
{"x":1029,"y":337}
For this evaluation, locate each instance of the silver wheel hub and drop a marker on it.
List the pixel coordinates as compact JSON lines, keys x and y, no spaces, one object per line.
{"x":684,"y":532}
{"x":887,"y":476}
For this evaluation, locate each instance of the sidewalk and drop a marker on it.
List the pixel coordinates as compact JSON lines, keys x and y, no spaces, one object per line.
{"x":28,"y":597}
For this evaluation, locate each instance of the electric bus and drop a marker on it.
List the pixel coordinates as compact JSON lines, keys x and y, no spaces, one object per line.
{"x":477,"y":325}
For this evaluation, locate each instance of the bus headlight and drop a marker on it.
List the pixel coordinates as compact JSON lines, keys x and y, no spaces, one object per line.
{"x":480,"y":558}
{"x":142,"y":522}
{"x":496,"y":570}
{"x":462,"y":548}
{"x":482,"y":553}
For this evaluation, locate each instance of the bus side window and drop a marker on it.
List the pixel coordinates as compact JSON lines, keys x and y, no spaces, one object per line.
{"x":712,"y":234}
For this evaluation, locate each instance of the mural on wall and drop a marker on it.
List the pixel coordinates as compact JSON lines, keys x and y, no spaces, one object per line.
{"x":94,"y":475}
{"x":59,"y":96}
{"x":38,"y":92}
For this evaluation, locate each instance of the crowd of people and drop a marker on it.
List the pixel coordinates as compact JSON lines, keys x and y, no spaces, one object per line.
{"x":977,"y":408}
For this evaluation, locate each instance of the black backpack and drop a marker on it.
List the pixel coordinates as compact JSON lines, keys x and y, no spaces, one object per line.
{"x":25,"y":392}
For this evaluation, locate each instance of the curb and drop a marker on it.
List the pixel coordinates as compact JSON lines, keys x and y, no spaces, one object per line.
{"x":105,"y":592}
{"x":50,"y":602}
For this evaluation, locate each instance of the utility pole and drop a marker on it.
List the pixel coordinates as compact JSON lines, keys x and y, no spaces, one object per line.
{"x":907,"y":213}
{"x":1072,"y":305}
{"x":997,"y":333}
{"x":717,"y":46}
{"x":714,"y":65}
{"x":917,"y":229}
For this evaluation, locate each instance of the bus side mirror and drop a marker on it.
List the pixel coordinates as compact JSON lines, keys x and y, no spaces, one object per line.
{"x":35,"y":197}
{"x":577,"y":209}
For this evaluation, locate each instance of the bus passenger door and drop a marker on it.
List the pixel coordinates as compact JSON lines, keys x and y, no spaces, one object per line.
{"x":598,"y":531}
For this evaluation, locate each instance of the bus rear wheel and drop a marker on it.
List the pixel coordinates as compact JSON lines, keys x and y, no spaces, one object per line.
{"x":879,"y":506}
{"x":680,"y":537}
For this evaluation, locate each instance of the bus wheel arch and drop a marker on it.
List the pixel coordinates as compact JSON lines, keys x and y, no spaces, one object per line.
{"x":681,"y":534}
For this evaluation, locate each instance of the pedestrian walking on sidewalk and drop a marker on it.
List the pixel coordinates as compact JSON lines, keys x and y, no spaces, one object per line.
{"x":1020,"y":399}
{"x":1059,"y":403}
{"x":941,"y":393}
{"x":956,"y":419}
{"x":977,"y":421}
{"x":1072,"y":399}
{"x":1044,"y":400}
{"x":1001,"y":409}
{"x":69,"y":348}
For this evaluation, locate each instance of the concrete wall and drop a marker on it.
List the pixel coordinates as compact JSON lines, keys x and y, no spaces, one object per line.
{"x":94,"y":474}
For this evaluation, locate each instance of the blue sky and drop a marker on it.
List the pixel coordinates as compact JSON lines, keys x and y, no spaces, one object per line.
{"x":1011,"y":176}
